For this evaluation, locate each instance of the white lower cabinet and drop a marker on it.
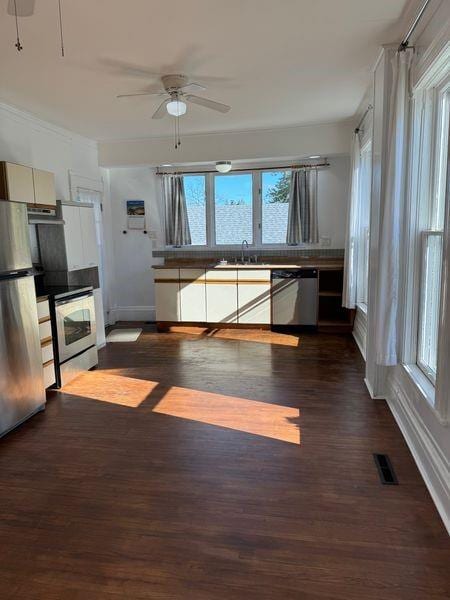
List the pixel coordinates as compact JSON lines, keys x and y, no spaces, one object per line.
{"x":192,"y":295}
{"x":221,"y":296}
{"x":167,"y":295}
{"x":254,"y":296}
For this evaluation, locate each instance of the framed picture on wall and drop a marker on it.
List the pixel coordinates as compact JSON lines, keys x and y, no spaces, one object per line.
{"x":136,"y":214}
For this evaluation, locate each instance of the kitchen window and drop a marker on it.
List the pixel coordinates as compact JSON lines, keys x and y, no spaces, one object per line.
{"x":233,"y":208}
{"x":275,"y":188}
{"x":225,"y":209}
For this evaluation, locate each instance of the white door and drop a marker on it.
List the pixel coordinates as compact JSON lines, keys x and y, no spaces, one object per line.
{"x":73,"y":237}
{"x":167,"y":295}
{"x":89,"y":234}
{"x":221,"y":296}
{"x":193,"y":295}
{"x":254,"y":296}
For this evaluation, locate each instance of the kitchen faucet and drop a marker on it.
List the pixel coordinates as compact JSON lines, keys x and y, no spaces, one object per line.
{"x":242,"y":250}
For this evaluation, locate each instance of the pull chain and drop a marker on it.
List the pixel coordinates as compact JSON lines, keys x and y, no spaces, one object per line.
{"x":18,"y":45}
{"x":61,"y":34}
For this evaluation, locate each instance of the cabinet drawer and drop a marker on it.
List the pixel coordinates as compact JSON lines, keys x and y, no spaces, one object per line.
{"x":221,"y":276}
{"x":172,"y":275}
{"x":47,"y":352}
{"x":254,"y":276}
{"x":49,"y":374}
{"x":43,"y":309}
{"x":45,"y":330}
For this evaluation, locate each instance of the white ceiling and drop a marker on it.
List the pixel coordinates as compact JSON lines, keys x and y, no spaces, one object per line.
{"x":277,"y":62}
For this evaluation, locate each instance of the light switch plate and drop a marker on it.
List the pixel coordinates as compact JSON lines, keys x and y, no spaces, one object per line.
{"x":325,"y":241}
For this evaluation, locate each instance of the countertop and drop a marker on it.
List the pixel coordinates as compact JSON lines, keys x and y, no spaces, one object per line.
{"x":325,"y":264}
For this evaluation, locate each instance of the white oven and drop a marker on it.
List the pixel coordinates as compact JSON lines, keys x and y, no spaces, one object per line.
{"x":75,"y":325}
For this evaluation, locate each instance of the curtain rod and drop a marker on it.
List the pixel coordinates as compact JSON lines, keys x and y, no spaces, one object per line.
{"x":405,"y":42}
{"x":307,"y":166}
{"x":368,"y":109}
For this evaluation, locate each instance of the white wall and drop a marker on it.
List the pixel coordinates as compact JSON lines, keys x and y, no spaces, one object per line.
{"x":30,"y":141}
{"x":326,"y":139}
{"x":333,"y":188}
{"x":132,"y":292}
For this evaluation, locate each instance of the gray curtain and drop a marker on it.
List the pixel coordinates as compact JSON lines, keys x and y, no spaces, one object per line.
{"x":176,"y":218}
{"x":302,"y":219}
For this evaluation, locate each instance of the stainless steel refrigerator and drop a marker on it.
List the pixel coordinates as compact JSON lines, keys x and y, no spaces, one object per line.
{"x":22,"y":391}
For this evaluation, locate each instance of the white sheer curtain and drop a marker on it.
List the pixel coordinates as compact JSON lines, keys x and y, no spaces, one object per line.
{"x":351,"y":259}
{"x":388,"y":281}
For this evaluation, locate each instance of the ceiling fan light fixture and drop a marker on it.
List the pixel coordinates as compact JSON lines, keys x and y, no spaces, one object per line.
{"x":223,"y":166}
{"x":176,"y":108}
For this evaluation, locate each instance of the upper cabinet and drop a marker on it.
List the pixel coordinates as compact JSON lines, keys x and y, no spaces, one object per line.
{"x":44,"y":188}
{"x":80,"y":237}
{"x":73,"y":245}
{"x":19,"y":183}
{"x":16,"y":183}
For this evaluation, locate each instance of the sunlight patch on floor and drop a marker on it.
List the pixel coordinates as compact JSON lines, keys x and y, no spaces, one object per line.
{"x":249,"y":416}
{"x":238,"y":414}
{"x":115,"y":389}
{"x":260,"y":336}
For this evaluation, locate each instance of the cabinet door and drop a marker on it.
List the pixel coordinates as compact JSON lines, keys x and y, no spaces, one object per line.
{"x":221,"y":296}
{"x":193,"y":295}
{"x":167,"y":295}
{"x":73,"y":238}
{"x":254,"y":296}
{"x":44,"y":187}
{"x":89,"y":235}
{"x":20,"y":183}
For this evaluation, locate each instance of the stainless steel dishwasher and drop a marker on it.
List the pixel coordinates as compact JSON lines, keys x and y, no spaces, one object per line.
{"x":294,"y":297}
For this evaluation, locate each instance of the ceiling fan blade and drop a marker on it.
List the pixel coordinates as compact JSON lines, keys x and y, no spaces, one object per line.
{"x":193,"y":87}
{"x":141,"y":94}
{"x":223,"y":108}
{"x":161,"y":111}
{"x":25,"y":8}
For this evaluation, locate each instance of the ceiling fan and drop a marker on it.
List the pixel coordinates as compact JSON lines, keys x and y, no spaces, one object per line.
{"x":177,"y":88}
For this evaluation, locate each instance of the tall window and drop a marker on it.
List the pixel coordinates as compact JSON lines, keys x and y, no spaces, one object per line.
{"x":431,"y":227}
{"x":233,"y":207}
{"x":195,"y":192}
{"x":275,"y":187}
{"x":362,"y":240}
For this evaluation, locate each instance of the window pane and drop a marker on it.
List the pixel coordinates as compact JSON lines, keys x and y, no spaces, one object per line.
{"x":195,"y":192}
{"x":233,"y":208}
{"x":430,"y":294}
{"x":275,"y":206}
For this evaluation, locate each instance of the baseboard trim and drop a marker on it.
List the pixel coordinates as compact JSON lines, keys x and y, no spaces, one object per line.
{"x":427,"y":455}
{"x":132,"y":313}
{"x":370,"y":390}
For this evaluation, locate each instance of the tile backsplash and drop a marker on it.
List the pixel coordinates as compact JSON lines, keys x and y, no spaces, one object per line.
{"x":279,"y":253}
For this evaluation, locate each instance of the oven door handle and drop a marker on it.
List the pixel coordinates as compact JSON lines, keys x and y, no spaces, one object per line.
{"x":73,"y":299}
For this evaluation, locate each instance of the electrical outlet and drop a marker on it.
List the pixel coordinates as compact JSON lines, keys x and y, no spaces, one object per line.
{"x":325,"y":241}
{"x":152,"y":234}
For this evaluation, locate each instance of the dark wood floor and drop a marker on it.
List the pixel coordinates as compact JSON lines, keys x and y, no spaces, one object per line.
{"x":224,"y":466}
